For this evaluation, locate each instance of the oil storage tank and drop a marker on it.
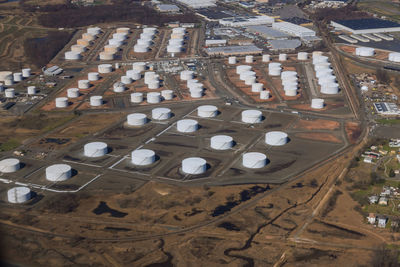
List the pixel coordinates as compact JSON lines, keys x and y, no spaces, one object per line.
{"x":95,"y":149}
{"x":221,"y":142}
{"x":161,"y":113}
{"x":207,"y":111}
{"x":276,"y":138}
{"x":143,"y":157}
{"x":58,"y":172}
{"x":187,"y":126}
{"x":251,"y":116}
{"x":19,"y":194}
{"x":136,"y":119}
{"x":9,"y":165}
{"x":254,"y":160}
{"x":194,"y":165}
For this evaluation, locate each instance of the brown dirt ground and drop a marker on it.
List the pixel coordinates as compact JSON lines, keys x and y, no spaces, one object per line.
{"x":319,"y":137}
{"x":318,"y":124}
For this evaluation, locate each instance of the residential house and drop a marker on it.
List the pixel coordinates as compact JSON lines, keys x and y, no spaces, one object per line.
{"x":371,"y":218}
{"x":382,"y":221}
{"x":383,"y":201}
{"x":373,"y":199}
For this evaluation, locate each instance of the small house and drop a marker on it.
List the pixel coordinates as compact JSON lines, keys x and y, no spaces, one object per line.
{"x":371,"y":218}
{"x":373,"y":199}
{"x":382,"y":221}
{"x":383,"y":201}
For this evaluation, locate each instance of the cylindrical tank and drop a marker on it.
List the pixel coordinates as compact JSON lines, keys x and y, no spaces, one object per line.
{"x":104,"y":68}
{"x":266,"y":58}
{"x":126,"y":80}
{"x":143,"y":157}
{"x":154,"y":84}
{"x":317,"y":54}
{"x":320,"y":59}
{"x":141,"y":48}
{"x":95,"y":149}
{"x":106,"y":56}
{"x":186,"y":75}
{"x":136,"y":119}
{"x":72,"y":55}
{"x":251,"y":116}
{"x":82,"y":42}
{"x":83,"y":84}
{"x":88,"y":37}
{"x":133,"y":74}
{"x":93,"y":76}
{"x":317,"y":103}
{"x":274,"y":71}
{"x":232,"y":60}
{"x":254,"y":160}
{"x":326,"y":79}
{"x":196,"y":93}
{"x":221,"y":142}
{"x":246,"y":74}
{"x":288,"y":74}
{"x":9,"y":81}
{"x":365,"y":51}
{"x":4,"y":75}
{"x":330,"y":88}
{"x":265,"y":95}
{"x":58,"y":172}
{"x":290,"y":86}
{"x":174,"y":48}
{"x":207,"y":111}
{"x":137,"y":97}
{"x":181,"y":30}
{"x":118,"y":87}
{"x":31,"y":90}
{"x":61,"y":102}
{"x":291,"y":92}
{"x":124,"y":30}
{"x":187,"y":126}
{"x":161,"y":113}
{"x":9,"y":165}
{"x":26,"y":73}
{"x":249,"y":80}
{"x":73,"y":92}
{"x":194,"y":165}
{"x":282,"y":57}
{"x":276,"y":138}
{"x":9,"y":93}
{"x":139,"y":66}
{"x":119,"y":36}
{"x":242,"y":68}
{"x":249,"y":59}
{"x":115,"y":42}
{"x":19,"y":194}
{"x":94,"y":30}
{"x":176,"y":42}
{"x":302,"y":56}
{"x":153,"y":97}
{"x":394,"y":56}
{"x":144,"y":42}
{"x":78,"y":48}
{"x":167,"y":94}
{"x":96,"y":100}
{"x":111,"y":49}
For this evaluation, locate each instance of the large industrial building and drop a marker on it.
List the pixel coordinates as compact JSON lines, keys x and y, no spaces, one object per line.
{"x":198,"y":4}
{"x":363,"y":26}
{"x":246,"y":21}
{"x":293,"y":29}
{"x":284,"y":45}
{"x":235,"y":50}
{"x":267,"y":32}
{"x":386,"y":108}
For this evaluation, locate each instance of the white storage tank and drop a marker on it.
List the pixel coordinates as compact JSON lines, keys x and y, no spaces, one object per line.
{"x":9,"y":93}
{"x":58,"y":172}
{"x":152,"y":85}
{"x":61,"y":102}
{"x":151,"y":30}
{"x":136,"y":119}
{"x":88,"y":37}
{"x":119,"y":36}
{"x":143,"y":157}
{"x":232,"y":60}
{"x":187,"y":126}
{"x":139,"y":66}
{"x":174,"y":48}
{"x":143,"y":42}
{"x":265,"y":95}
{"x":282,"y":57}
{"x":26,"y":73}
{"x":73,"y":92}
{"x":9,"y":165}
{"x":394,"y":57}
{"x":249,"y":59}
{"x":9,"y":81}
{"x":186,"y":75}
{"x":104,"y":68}
{"x":111,"y":49}
{"x":365,"y":51}
{"x":83,"y":84}
{"x":153,"y":97}
{"x":141,"y":48}
{"x":106,"y":56}
{"x":78,"y":48}
{"x":118,"y":87}
{"x":126,"y":80}
{"x":123,"y":30}
{"x":266,"y":58}
{"x":317,"y":54}
{"x":133,"y":74}
{"x":320,"y":59}
{"x":254,"y":160}
{"x":31,"y":90}
{"x":93,"y":76}
{"x":196,"y":93}
{"x":251,"y":116}
{"x":137,"y":97}
{"x":95,"y":149}
{"x":194,"y":165}
{"x":302,"y":56}
{"x":291,"y":92}
{"x":317,"y":103}
{"x":276,"y":138}
{"x":288,"y":74}
{"x":72,"y":55}
{"x":249,"y":80}
{"x":96,"y":100}
{"x":246,"y":74}
{"x":83,"y":42}
{"x":207,"y":111}
{"x":94,"y":30}
{"x":161,"y":113}
{"x":330,"y":88}
{"x":167,"y":94}
{"x":221,"y":142}
{"x":115,"y":42}
{"x":242,"y":68}
{"x":19,"y":194}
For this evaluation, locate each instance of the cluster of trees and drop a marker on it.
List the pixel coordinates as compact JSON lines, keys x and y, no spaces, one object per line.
{"x":69,"y":15}
{"x":41,"y":50}
{"x":346,"y":12}
{"x":382,"y":76}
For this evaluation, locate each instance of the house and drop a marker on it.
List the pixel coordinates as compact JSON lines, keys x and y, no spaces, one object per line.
{"x":382,"y":220}
{"x":373,"y":199}
{"x":371,"y":218}
{"x":386,"y":191}
{"x":368,"y":160}
{"x":383,"y":201}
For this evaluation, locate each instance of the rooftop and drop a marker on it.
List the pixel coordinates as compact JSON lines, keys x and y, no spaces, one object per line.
{"x":284,"y":44}
{"x":370,"y":23}
{"x":267,"y":31}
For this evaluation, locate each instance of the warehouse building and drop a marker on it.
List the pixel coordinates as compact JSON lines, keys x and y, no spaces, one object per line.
{"x":246,"y":21}
{"x":237,"y":50}
{"x":386,"y":108}
{"x":267,"y":32}
{"x":293,"y":29}
{"x":363,"y":26}
{"x":198,"y":4}
{"x":167,"y":8}
{"x":284,"y":45}
{"x":215,"y":42}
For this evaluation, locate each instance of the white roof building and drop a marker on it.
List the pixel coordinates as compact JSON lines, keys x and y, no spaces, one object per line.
{"x":293,"y":29}
{"x":211,"y":42}
{"x":246,"y":21}
{"x":386,"y":108}
{"x":198,"y":3}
